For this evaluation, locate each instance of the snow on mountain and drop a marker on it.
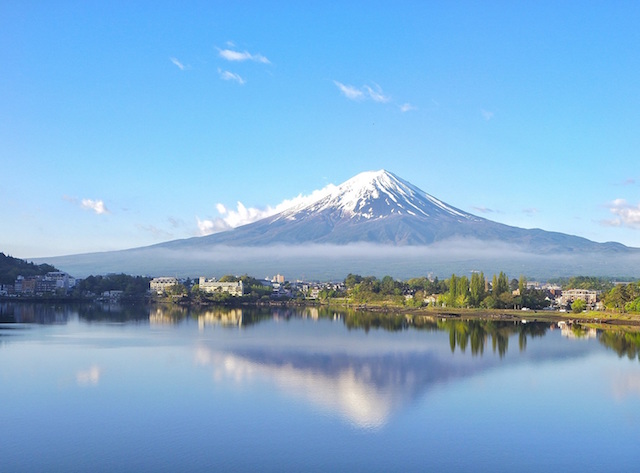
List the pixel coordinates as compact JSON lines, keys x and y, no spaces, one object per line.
{"x":381,"y":208}
{"x":373,"y":195}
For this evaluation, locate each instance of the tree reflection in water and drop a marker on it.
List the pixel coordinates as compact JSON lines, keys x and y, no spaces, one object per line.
{"x":622,"y":342}
{"x":477,"y":333}
{"x":625,"y":341}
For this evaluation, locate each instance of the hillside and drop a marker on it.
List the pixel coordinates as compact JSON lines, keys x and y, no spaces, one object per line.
{"x":11,"y":267}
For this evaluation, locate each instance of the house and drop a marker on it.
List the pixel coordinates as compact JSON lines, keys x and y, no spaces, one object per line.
{"x":211,"y":285}
{"x":159,"y":285}
{"x":571,"y":295}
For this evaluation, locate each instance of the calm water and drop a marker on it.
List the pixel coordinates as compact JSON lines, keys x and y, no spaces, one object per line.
{"x":139,"y":389}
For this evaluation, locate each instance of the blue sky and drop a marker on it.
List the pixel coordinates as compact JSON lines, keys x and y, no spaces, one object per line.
{"x":124,"y":124}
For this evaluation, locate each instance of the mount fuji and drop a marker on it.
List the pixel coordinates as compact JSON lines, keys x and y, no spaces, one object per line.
{"x":374,"y":223}
{"x":381,"y":208}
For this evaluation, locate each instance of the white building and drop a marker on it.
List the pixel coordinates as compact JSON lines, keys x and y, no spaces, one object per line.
{"x":211,"y":285}
{"x":571,"y":295}
{"x":159,"y":285}
{"x":62,"y":279}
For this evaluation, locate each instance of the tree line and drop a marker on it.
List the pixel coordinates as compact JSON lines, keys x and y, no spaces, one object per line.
{"x":457,"y":291}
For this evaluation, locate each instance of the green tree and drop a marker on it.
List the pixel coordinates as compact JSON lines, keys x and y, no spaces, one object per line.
{"x":388,"y":285}
{"x":522,"y":285}
{"x":503,"y":284}
{"x":229,"y":278}
{"x":578,"y":306}
{"x":351,"y":280}
{"x":476,"y":289}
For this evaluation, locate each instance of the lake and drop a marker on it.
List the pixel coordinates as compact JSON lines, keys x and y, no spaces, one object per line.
{"x":111,"y":388}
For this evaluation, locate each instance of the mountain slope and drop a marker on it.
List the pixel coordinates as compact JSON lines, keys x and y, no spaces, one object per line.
{"x":379,"y":207}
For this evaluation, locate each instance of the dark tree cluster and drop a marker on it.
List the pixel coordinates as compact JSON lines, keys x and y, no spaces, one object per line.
{"x":11,"y":268}
{"x":132,"y":286}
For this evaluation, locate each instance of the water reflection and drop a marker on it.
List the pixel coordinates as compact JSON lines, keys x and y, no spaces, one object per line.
{"x":363,"y":389}
{"x":167,"y":315}
{"x":364,"y":375}
{"x":113,"y":312}
{"x":472,"y":335}
{"x":89,"y":377}
{"x":44,"y":314}
{"x":228,"y":317}
{"x":624,"y":343}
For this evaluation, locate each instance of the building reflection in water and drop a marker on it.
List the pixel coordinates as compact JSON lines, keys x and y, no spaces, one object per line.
{"x":224,"y":317}
{"x":161,"y":315}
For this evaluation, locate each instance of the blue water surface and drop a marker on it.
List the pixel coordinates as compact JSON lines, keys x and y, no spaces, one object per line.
{"x":164,"y":389}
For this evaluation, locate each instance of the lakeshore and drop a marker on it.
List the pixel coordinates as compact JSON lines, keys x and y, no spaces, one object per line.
{"x":411,"y":314}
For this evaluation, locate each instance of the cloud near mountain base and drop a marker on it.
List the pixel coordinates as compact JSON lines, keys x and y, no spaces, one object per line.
{"x":242,"y":215}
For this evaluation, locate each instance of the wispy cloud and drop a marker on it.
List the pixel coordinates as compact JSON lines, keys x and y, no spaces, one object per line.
{"x":175,"y":222}
{"x":155,"y":231}
{"x":349,"y":91}
{"x":629,"y":182}
{"x":227,"y":75}
{"x":242,"y":215}
{"x":483,"y":210}
{"x":530,"y":211}
{"x":370,"y":92}
{"x":365,"y":92}
{"x":240,"y":56}
{"x":625,"y":214}
{"x":177,"y":63}
{"x":486,"y":114}
{"x":376,"y":94}
{"x":407,"y":107}
{"x":96,"y":206}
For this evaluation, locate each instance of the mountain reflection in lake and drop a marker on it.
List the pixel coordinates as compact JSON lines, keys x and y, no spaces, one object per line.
{"x":106,"y":388}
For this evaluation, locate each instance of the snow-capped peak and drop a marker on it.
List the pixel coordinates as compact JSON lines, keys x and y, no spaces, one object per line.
{"x":373,"y":195}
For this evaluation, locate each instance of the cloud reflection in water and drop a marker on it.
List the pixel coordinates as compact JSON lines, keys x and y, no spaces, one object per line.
{"x":89,"y":377}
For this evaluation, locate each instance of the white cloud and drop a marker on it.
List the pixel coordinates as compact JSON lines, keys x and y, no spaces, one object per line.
{"x":237,"y":56}
{"x":376,"y":94}
{"x":367,"y":92}
{"x":530,"y":211}
{"x":349,"y":91}
{"x":626,"y":214}
{"x":207,"y":227}
{"x":95,"y":205}
{"x":177,"y":63}
{"x":244,"y":215}
{"x":227,"y":75}
{"x":407,"y":107}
